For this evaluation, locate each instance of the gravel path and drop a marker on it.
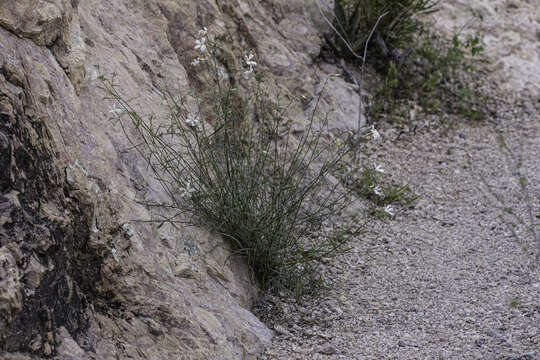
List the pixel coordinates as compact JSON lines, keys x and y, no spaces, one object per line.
{"x":447,"y":279}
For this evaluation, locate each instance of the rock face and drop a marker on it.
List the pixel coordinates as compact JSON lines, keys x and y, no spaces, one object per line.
{"x":81,"y":277}
{"x":512,"y":50}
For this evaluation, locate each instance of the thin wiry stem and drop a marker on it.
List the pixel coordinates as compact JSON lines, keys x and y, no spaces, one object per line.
{"x":266,"y":201}
{"x":362,"y":58}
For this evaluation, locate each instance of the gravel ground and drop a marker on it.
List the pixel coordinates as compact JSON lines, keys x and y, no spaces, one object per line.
{"x":447,"y":279}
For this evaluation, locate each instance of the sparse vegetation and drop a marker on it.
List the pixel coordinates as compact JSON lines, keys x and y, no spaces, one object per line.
{"x":355,"y":19}
{"x":519,"y":221}
{"x":385,"y":197}
{"x":441,"y":78}
{"x":240,"y":171}
{"x":418,"y":66}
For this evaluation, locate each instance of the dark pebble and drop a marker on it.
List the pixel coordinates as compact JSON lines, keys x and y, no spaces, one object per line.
{"x":498,"y":333}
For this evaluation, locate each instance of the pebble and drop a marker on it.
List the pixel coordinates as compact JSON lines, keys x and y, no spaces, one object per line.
{"x":497,"y":333}
{"x":480,"y":342}
{"x":47,"y":350}
{"x":520,"y":357}
{"x":281,"y":330}
{"x":328,"y":349}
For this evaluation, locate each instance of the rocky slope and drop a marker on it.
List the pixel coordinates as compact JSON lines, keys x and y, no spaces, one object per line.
{"x":81,"y":276}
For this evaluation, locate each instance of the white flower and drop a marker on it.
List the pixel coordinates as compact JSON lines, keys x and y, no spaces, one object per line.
{"x":203,"y":31}
{"x":200,"y":44}
{"x":375,"y":133}
{"x":250,"y":62}
{"x":191,"y":121}
{"x":114,"y":110}
{"x":389,"y":210}
{"x":377,"y":190}
{"x":379,"y":168}
{"x":185,"y":193}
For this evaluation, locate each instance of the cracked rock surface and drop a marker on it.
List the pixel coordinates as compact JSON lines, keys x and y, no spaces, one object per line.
{"x":81,"y":277}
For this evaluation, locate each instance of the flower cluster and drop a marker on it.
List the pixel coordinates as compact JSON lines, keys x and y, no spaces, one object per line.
{"x":377,"y":190}
{"x":200,"y":45}
{"x":250,"y":64}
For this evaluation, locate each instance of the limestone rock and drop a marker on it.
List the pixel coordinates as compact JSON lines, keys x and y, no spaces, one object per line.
{"x":70,"y":52}
{"x":38,"y":20}
{"x":340,"y":101}
{"x":68,"y":348}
